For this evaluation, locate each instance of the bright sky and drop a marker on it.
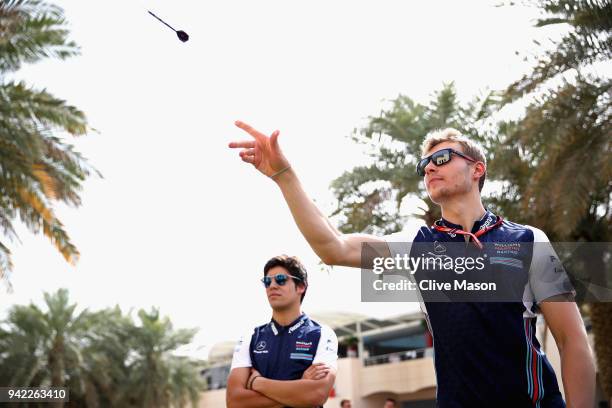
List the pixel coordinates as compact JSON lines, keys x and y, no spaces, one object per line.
{"x":179,"y":221}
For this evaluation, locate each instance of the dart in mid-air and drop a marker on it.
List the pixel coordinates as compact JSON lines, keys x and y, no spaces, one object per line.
{"x":183,"y":36}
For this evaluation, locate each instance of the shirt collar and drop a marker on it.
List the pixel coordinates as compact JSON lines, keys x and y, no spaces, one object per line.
{"x":291,"y":328}
{"x":487,"y":219}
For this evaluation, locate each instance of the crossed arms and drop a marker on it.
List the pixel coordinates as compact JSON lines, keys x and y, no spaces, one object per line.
{"x":309,"y":391}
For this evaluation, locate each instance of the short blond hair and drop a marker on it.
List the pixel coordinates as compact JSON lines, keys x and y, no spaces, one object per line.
{"x":468,"y":146}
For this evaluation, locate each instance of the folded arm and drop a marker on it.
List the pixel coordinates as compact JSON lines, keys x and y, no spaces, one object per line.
{"x":297,"y":393}
{"x":237,"y":395}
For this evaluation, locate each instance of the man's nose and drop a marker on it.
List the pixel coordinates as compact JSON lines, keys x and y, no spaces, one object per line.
{"x":431,"y":167}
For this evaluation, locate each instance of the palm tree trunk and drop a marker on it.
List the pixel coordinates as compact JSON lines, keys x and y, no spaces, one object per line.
{"x":56,"y":364}
{"x":601,"y":320}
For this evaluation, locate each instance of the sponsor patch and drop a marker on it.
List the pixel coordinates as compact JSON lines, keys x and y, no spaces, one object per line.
{"x":301,"y":356}
{"x":507,"y":248}
{"x":260,"y":346}
{"x":515,"y":263}
{"x":303,"y":345}
{"x":296,"y":326}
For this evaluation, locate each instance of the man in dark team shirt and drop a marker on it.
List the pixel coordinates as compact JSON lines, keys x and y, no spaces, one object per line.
{"x":486,"y":353}
{"x":289,"y":361}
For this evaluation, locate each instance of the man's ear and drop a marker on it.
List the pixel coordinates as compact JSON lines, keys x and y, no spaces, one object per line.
{"x":479,"y":170}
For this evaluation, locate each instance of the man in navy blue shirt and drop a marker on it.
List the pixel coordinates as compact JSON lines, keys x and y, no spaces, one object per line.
{"x":289,"y":361}
{"x":486,"y":353}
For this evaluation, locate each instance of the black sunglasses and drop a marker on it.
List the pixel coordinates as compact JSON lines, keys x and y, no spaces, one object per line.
{"x":280,"y":279}
{"x":439,"y":158}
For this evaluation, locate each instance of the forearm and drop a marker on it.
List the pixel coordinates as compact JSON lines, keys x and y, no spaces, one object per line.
{"x":295,"y":393}
{"x":578,"y":372}
{"x":243,"y":398}
{"x":324,"y":239}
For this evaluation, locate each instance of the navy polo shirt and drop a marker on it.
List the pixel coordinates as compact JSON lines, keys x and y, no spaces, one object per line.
{"x":285,"y":352}
{"x":486,"y":353}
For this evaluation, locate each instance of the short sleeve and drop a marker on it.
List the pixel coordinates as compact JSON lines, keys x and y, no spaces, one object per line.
{"x":242,"y":357}
{"x":327,"y":350}
{"x":547,"y":276}
{"x":400,"y":243}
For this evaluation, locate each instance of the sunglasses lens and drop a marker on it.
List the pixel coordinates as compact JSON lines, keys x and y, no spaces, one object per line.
{"x":438,"y":158}
{"x":267,"y":281}
{"x":281,"y":279}
{"x":421,"y":166}
{"x":441,"y":157}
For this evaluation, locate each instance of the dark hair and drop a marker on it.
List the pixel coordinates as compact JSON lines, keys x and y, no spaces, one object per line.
{"x":391,"y":400}
{"x":343,"y":401}
{"x":293,"y":266}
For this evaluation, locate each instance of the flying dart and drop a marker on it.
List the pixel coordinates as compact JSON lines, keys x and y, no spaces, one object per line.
{"x":183,"y":36}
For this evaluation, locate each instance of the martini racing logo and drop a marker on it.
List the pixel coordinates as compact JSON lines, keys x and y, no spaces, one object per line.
{"x":507,"y":248}
{"x":261,"y":348}
{"x":303,"y":345}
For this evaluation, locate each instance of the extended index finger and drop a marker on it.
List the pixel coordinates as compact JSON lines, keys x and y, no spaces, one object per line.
{"x":245,"y":144}
{"x":249,"y":129}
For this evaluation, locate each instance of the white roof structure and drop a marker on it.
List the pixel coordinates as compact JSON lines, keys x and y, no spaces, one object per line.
{"x":345,"y":324}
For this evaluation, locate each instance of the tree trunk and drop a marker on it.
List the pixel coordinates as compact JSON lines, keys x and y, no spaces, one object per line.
{"x":601,"y":320}
{"x":56,"y":365}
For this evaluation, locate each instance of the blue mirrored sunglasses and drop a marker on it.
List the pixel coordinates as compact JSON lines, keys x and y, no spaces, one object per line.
{"x":280,"y":279}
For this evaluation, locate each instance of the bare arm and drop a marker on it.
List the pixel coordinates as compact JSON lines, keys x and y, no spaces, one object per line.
{"x":333,"y":247}
{"x":577,"y":366}
{"x":237,"y":396}
{"x":297,"y":393}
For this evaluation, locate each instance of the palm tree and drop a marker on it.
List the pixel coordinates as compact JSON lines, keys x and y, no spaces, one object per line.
{"x":44,"y":348}
{"x":560,"y":150}
{"x":38,"y":167}
{"x":102,"y":357}
{"x":369,"y":197}
{"x":157,"y":377}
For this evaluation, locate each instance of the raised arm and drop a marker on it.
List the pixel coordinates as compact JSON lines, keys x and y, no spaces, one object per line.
{"x":237,"y":395}
{"x":333,"y":247}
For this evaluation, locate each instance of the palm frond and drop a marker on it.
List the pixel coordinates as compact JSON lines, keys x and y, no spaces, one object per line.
{"x":31,"y":30}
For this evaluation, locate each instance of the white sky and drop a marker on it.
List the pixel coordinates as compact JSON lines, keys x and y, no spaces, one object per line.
{"x":179,"y":221}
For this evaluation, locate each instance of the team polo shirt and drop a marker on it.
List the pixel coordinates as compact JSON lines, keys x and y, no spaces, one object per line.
{"x":486,"y":354}
{"x":285,"y":352}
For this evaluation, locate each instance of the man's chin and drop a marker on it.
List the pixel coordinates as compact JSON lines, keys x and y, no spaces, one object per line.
{"x":437,"y":197}
{"x":277,"y":305}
